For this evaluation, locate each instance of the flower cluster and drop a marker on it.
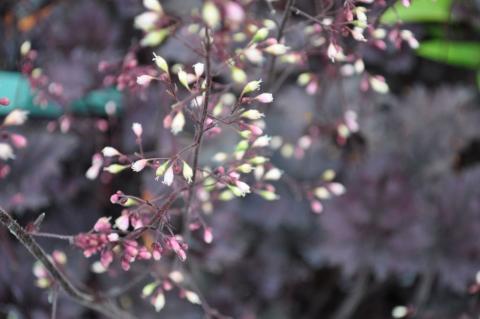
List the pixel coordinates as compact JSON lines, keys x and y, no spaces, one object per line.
{"x":115,"y":240}
{"x":10,"y":140}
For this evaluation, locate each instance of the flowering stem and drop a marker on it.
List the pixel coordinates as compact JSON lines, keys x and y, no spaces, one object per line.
{"x":281,"y":28}
{"x":105,"y":306}
{"x":200,"y":126}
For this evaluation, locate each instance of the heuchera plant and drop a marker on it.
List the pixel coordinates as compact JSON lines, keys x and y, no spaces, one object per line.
{"x":230,"y":43}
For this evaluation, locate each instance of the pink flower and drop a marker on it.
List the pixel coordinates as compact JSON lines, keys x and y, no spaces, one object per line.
{"x":117,"y":197}
{"x":106,"y":258}
{"x":144,"y":80}
{"x":177,"y":248}
{"x":264,"y":98}
{"x":19,"y":141}
{"x":208,"y":235}
{"x":4,"y":101}
{"x":143,"y":253}
{"x":316,"y":206}
{"x":102,"y":225}
{"x":156,"y":251}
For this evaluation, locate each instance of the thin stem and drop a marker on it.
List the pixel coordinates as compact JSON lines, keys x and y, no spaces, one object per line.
{"x":281,"y":28}
{"x":200,"y":126}
{"x":54,"y":236}
{"x":104,"y":306}
{"x":351,"y":303}
{"x":54,"y":297}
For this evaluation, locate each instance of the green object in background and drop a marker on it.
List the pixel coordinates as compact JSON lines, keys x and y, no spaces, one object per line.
{"x":463,"y":54}
{"x":15,"y":87}
{"x":419,"y":11}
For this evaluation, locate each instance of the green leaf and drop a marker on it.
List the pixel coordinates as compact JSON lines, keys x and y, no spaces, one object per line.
{"x":419,"y":11}
{"x":464,"y":54}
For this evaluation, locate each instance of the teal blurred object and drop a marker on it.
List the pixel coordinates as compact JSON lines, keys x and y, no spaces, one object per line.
{"x":15,"y":86}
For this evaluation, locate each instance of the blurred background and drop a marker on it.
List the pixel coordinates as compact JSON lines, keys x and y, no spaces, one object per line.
{"x":401,"y":242}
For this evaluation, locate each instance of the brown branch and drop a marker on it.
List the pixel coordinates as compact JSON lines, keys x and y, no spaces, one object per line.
{"x":104,"y":306}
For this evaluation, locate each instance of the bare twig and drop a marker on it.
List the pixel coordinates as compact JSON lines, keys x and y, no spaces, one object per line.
{"x":54,"y":297}
{"x":350,"y":304}
{"x":200,"y":126}
{"x":104,"y":306}
{"x":281,"y":28}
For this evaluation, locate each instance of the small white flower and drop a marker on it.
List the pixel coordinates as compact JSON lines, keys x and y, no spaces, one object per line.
{"x":178,"y":123}
{"x":6,"y":152}
{"x":137,"y":129}
{"x":146,"y":21}
{"x":139,"y":165}
{"x":176,"y":276}
{"x":254,"y":55}
{"x":109,"y":151}
{"x":243,"y":187}
{"x":159,"y":301}
{"x":15,"y":117}
{"x":168,"y":177}
{"x":332,"y":51}
{"x":122,"y":222}
{"x":198,"y":68}
{"x":357,"y":34}
{"x":144,"y":80}
{"x":276,"y":49}
{"x":273,"y":174}
{"x":192,"y":297}
{"x":183,"y":78}
{"x":187,"y":172}
{"x":153,"y":5}
{"x":160,"y":62}
{"x":262,"y":141}
{"x":378,"y":84}
{"x":264,"y":98}
{"x":251,"y":86}
{"x":211,"y":15}
{"x":337,"y":188}
{"x":252,"y":114}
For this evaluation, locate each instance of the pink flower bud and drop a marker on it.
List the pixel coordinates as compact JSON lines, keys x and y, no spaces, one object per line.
{"x":208,"y":235}
{"x":167,"y":285}
{"x":19,"y":141}
{"x":4,"y":101}
{"x":131,"y":252}
{"x":143,"y":253}
{"x":106,"y":258}
{"x":125,"y":263}
{"x":264,"y":98}
{"x":116,"y":198}
{"x":136,"y":221}
{"x":194,"y":226}
{"x":113,"y":237}
{"x":156,"y":251}
{"x":102,"y":225}
{"x":316,"y":206}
